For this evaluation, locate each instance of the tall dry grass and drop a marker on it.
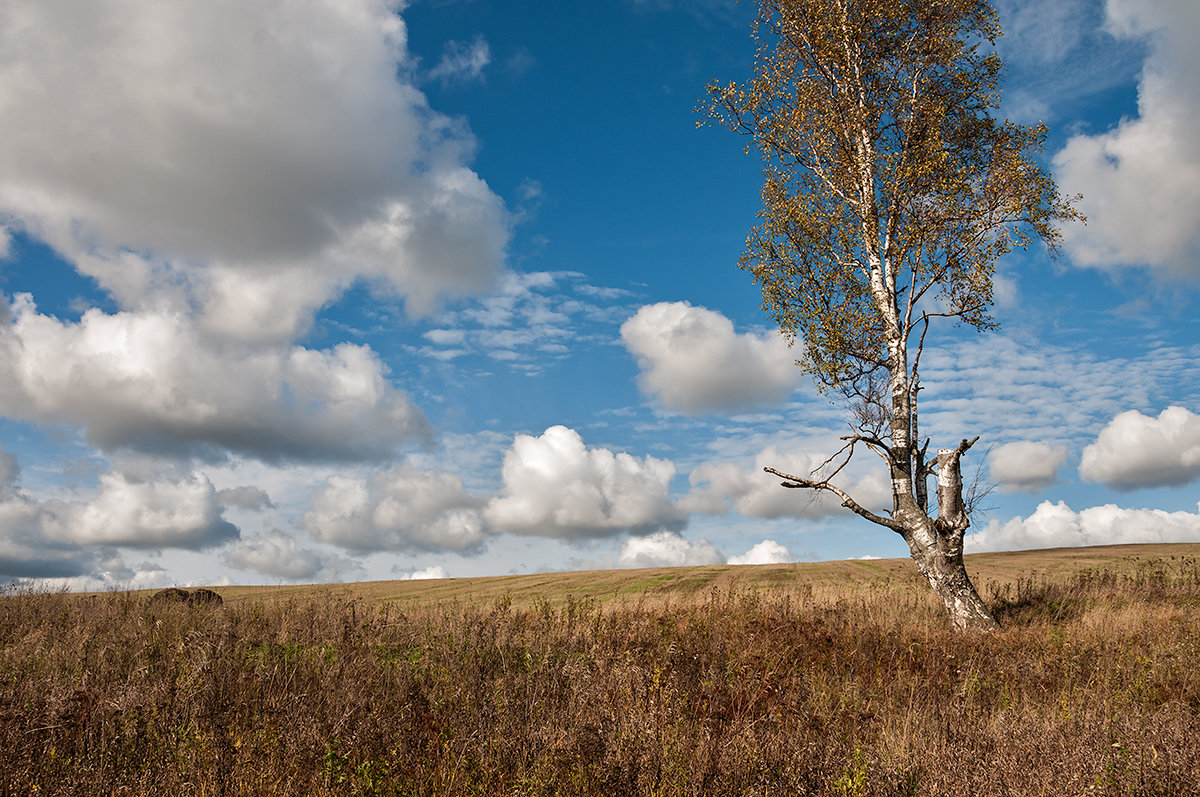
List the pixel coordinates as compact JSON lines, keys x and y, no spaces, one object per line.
{"x":1093,"y":687}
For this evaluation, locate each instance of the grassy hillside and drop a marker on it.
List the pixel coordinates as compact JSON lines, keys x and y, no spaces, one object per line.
{"x":834,"y":679}
{"x":992,"y":572}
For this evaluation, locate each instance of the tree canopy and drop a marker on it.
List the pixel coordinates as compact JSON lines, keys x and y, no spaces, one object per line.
{"x":890,"y":190}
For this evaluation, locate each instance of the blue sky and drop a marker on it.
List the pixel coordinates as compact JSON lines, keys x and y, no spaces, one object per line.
{"x":341,"y":290}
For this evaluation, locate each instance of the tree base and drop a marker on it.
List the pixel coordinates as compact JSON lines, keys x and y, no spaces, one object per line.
{"x":947,"y":575}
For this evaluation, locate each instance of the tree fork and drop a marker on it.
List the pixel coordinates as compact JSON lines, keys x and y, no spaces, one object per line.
{"x":939,"y":553}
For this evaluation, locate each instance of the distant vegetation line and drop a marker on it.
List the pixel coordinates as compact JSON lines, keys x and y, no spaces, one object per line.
{"x":1091,"y":687}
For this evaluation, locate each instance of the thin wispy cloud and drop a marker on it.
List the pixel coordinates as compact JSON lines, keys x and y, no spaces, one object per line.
{"x":462,"y":62}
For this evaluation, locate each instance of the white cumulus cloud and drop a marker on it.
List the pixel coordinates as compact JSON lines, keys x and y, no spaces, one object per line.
{"x":246,"y":497}
{"x":151,"y":381}
{"x":428,"y":573}
{"x":182,"y":513}
{"x":555,"y":486}
{"x":67,"y":539}
{"x":692,"y":360}
{"x":667,"y":549}
{"x":1056,"y":525}
{"x":28,"y":551}
{"x":1141,"y":180}
{"x":1135,"y":450}
{"x":767,"y":552}
{"x":400,"y":510}
{"x":1026,"y":465}
{"x":249,"y":157}
{"x":276,"y":554}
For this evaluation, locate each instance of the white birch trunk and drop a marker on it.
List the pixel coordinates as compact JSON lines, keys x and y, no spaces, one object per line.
{"x":937,"y":549}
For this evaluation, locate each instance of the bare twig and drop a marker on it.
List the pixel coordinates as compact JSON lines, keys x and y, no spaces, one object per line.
{"x":796,"y":482}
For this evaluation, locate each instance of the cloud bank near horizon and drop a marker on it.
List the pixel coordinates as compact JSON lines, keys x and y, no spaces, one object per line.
{"x":1056,"y":525}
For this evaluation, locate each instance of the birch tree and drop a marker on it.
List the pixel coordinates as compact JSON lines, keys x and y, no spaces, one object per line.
{"x":890,"y":191}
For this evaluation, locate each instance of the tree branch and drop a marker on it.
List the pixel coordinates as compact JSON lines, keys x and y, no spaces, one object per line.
{"x":797,"y":482}
{"x":874,"y":443}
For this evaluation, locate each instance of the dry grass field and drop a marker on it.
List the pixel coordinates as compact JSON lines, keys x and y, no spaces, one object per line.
{"x":837,"y":678}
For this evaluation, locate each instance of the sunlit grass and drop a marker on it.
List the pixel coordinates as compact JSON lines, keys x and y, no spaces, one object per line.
{"x":740,"y":681}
